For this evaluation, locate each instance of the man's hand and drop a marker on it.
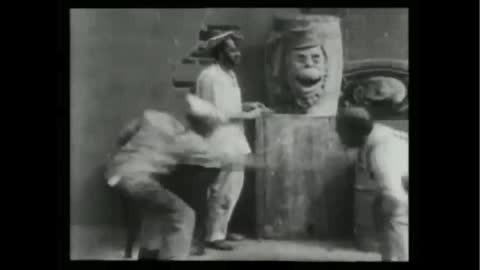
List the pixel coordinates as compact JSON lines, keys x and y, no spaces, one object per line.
{"x":255,"y":113}
{"x":249,"y":106}
{"x":251,"y":114}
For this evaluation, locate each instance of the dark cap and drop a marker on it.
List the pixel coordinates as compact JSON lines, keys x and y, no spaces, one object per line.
{"x":304,"y":38}
{"x":355,"y":119}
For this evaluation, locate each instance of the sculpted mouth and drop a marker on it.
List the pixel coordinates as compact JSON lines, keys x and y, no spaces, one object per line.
{"x":307,"y":82}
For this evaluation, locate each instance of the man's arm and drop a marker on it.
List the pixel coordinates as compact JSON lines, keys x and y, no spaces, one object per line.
{"x":388,"y":176}
{"x":206,"y":89}
{"x":246,"y":115}
{"x":203,"y":109}
{"x":248,"y":106}
{"x":127,"y":132}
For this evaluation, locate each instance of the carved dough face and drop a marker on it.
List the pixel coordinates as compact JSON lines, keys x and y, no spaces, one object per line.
{"x":306,"y":71}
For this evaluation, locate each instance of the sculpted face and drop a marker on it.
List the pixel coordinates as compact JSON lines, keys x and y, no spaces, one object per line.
{"x":306,"y":72}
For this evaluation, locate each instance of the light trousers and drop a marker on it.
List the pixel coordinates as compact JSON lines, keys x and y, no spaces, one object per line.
{"x":222,"y":198}
{"x":392,"y":229}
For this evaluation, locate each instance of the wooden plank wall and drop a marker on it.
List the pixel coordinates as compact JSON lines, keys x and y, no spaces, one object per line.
{"x":306,"y":188}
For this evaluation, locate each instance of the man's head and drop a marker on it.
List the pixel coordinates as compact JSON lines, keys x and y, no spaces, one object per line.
{"x":353,"y":126}
{"x":227,"y":53}
{"x":225,"y":48}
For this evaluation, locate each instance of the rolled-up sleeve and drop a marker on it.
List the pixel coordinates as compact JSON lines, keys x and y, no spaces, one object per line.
{"x":221,"y":90}
{"x":205,"y":110}
{"x":206,"y":106}
{"x":205,"y":87}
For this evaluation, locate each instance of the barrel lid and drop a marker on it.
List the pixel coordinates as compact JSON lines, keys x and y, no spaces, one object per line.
{"x":290,"y":22}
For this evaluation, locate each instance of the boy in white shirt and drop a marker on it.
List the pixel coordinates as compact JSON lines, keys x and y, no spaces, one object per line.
{"x":384,"y":152}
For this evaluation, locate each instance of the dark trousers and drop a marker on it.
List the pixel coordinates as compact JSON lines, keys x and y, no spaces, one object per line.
{"x":191,"y":183}
{"x":392,"y":229}
{"x":167,"y":221}
{"x":172,"y":208}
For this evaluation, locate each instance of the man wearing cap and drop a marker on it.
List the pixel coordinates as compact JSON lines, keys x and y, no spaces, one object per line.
{"x":156,"y":155}
{"x":383,"y":151}
{"x":218,"y":85}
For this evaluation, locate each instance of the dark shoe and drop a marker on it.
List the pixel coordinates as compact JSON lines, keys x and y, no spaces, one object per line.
{"x":235,"y":237}
{"x":197,"y":250}
{"x":147,"y":254}
{"x":219,"y":245}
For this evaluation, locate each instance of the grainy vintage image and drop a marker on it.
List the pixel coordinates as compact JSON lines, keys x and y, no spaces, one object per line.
{"x":256,"y":134}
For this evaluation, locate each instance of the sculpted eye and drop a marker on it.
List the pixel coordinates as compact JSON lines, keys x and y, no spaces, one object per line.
{"x":301,"y":58}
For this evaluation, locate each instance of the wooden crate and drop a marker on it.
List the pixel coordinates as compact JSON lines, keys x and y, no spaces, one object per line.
{"x":306,"y":187}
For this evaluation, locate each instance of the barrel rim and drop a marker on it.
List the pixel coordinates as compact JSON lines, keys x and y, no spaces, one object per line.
{"x":364,"y":188}
{"x":306,"y":17}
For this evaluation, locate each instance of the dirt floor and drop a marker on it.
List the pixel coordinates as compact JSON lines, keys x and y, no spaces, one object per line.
{"x":103,"y":243}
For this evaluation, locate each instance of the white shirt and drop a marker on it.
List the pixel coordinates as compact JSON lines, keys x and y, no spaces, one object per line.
{"x":157,"y":143}
{"x":220,"y":88}
{"x":385,"y":155}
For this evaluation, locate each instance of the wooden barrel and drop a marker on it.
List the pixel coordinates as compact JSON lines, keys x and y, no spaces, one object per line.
{"x":280,"y":93}
{"x":305,"y":189}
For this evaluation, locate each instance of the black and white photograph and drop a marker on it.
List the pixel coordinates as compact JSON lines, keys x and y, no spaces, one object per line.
{"x":239,"y":134}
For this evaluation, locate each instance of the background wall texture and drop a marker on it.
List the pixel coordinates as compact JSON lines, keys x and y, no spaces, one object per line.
{"x":124,"y":60}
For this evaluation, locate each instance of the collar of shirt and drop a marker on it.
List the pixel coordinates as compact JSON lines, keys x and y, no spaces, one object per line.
{"x":230,"y":74}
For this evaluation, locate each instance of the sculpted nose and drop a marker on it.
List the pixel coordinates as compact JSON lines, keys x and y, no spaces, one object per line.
{"x":308,"y":62}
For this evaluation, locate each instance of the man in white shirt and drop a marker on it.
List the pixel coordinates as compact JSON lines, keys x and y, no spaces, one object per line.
{"x":384,"y":151}
{"x":151,"y":167}
{"x":218,"y":84}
